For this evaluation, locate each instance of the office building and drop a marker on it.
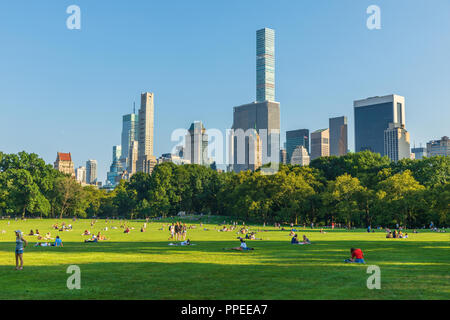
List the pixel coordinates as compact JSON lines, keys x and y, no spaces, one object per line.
{"x":439,"y":147}
{"x":320,"y":143}
{"x":419,"y":153}
{"x":372,"y":117}
{"x":146,"y":161}
{"x":129,"y":133}
{"x":396,"y":142}
{"x":265,"y":65}
{"x":80,"y":174}
{"x":115,"y":170}
{"x":64,"y":163}
{"x":283,"y":156}
{"x":91,"y":172}
{"x":196,"y":144}
{"x":300,"y":156}
{"x":254,"y":151}
{"x":338,"y":136}
{"x":295,"y":138}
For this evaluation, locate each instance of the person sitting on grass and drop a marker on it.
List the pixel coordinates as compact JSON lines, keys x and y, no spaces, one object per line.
{"x":357,"y":256}
{"x":58,"y":242}
{"x":93,"y":239}
{"x":242,"y":247}
{"x":127,"y":230}
{"x":305,"y":240}
{"x":294,"y":239}
{"x":389,"y":235}
{"x":86,"y":233}
{"x":31,"y":233}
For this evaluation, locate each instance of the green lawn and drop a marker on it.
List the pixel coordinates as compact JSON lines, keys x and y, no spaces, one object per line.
{"x":143,"y":266}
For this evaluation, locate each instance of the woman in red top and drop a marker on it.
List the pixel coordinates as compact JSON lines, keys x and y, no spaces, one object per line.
{"x":357,"y":256}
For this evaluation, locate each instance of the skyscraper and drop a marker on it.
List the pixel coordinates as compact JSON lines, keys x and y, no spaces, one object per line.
{"x":265,"y":65}
{"x":129,"y":133}
{"x":320,"y":143}
{"x":196,"y":144}
{"x":419,"y":152}
{"x":283,"y":156}
{"x":91,"y":172}
{"x":265,"y":118}
{"x":338,"y":136}
{"x":372,"y":117}
{"x":396,"y":142}
{"x":295,"y":138}
{"x":146,"y":160}
{"x":116,"y":168}
{"x":133,"y":158}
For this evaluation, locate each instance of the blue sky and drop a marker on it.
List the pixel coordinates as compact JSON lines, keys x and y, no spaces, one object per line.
{"x":66,"y":90}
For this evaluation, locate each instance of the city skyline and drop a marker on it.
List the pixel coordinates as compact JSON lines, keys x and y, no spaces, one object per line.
{"x":62,"y":130}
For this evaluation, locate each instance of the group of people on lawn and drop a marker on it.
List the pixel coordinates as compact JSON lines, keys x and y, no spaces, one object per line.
{"x":178,"y":232}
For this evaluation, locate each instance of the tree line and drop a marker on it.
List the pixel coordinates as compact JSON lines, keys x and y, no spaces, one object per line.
{"x":358,"y":189}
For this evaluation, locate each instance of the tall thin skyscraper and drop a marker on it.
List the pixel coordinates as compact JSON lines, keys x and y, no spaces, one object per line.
{"x":396,"y":142}
{"x":372,"y":117}
{"x":196,"y":144}
{"x":146,"y":160}
{"x":91,"y":171}
{"x":129,"y":133}
{"x":338,"y":136}
{"x":265,"y":65}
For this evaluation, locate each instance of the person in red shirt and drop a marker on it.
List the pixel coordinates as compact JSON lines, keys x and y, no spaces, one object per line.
{"x":357,"y":256}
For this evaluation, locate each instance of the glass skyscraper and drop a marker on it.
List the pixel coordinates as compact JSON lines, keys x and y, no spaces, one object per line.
{"x":338,"y":136}
{"x":294,"y":139}
{"x":372,"y":117}
{"x":265,"y":65}
{"x":129,"y":134}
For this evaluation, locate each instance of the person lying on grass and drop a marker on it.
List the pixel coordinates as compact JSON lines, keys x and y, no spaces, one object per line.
{"x":184,"y":243}
{"x":242,"y":247}
{"x":357,"y":256}
{"x":93,"y":239}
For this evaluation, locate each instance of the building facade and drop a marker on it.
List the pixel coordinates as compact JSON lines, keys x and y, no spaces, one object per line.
{"x":372,"y":117}
{"x":295,"y":138}
{"x":320,"y":143}
{"x":265,"y":65}
{"x":338,"y":136}
{"x":419,"y":153}
{"x":396,"y":142}
{"x":300,"y":156}
{"x":115,"y":170}
{"x":196,"y":144}
{"x":91,"y":172}
{"x":80,"y":174}
{"x":64,"y":163}
{"x":439,"y":147}
{"x":146,"y":160}
{"x":283,"y":156}
{"x":130,"y":133}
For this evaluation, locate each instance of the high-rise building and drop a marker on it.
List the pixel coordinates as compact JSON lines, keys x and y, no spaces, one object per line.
{"x":196,"y":144}
{"x":265,"y":65}
{"x":439,"y":147}
{"x":338,"y":136}
{"x":91,"y":172}
{"x":129,"y":133}
{"x":64,"y":163}
{"x":133,"y":158}
{"x":265,"y":118}
{"x":283,"y":156}
{"x":419,"y":153}
{"x":300,"y":156}
{"x":80,"y":174}
{"x":146,"y":160}
{"x":115,"y":170}
{"x":320,"y":143}
{"x":295,"y":138}
{"x":396,"y":142}
{"x":372,"y":117}
{"x":254,"y":150}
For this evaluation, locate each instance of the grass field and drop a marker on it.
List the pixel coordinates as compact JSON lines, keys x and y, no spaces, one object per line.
{"x":143,"y":265}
